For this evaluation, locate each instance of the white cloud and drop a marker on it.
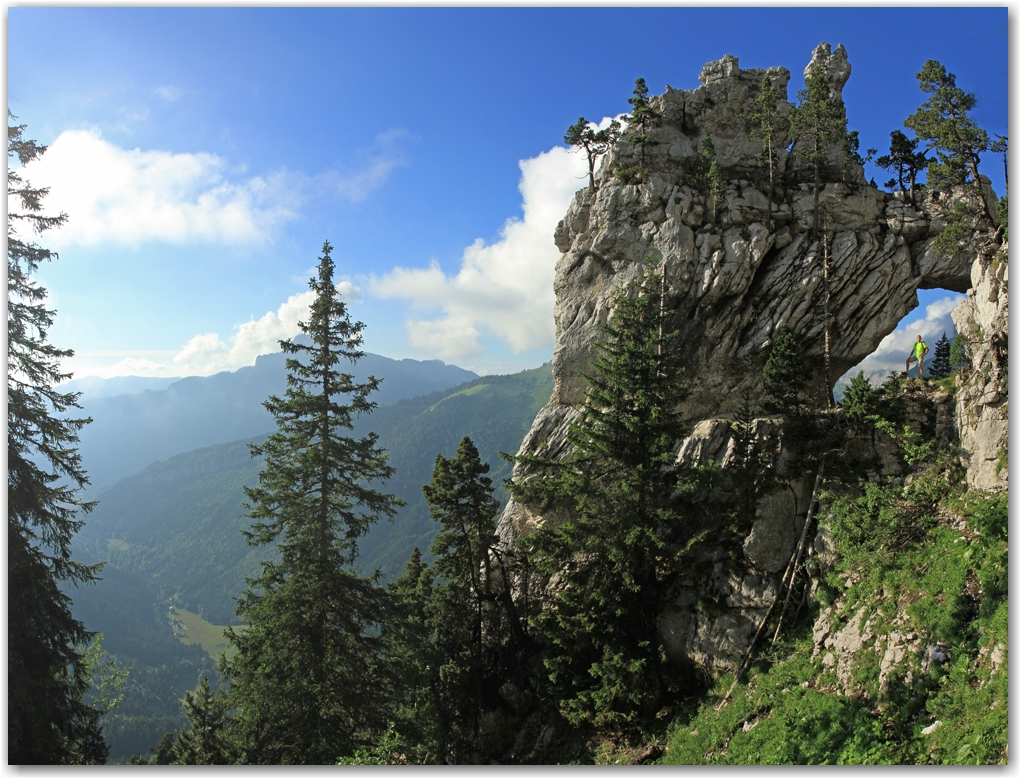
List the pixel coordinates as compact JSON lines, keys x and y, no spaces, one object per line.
{"x":208,"y":353}
{"x":504,"y":289}
{"x":130,"y":196}
{"x":893,"y":350}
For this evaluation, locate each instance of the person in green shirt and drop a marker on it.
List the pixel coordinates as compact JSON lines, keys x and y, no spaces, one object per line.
{"x":917,"y":355}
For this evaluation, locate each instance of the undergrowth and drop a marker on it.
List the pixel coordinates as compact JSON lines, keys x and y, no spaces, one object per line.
{"x":923,"y":566}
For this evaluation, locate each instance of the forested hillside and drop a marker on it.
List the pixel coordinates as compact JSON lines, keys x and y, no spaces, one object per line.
{"x":172,"y":531}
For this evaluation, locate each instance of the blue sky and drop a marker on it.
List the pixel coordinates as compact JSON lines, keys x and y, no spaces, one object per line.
{"x":204,"y":155}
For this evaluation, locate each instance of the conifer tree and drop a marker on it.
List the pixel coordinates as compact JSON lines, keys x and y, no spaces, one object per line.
{"x":783,"y":375}
{"x":944,"y":121}
{"x":818,"y":125}
{"x":413,"y":663}
{"x":470,"y":625}
{"x":766,"y":124}
{"x":958,"y":353}
{"x":206,"y":739}
{"x":622,"y":535}
{"x":595,"y":142}
{"x":940,"y":364}
{"x":642,"y":118}
{"x":48,"y":719}
{"x":904,"y":160}
{"x":306,"y":679}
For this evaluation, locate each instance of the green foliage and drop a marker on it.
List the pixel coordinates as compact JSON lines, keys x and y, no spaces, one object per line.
{"x":705,"y":174}
{"x":904,"y":160}
{"x":944,"y":121}
{"x":641,"y":119}
{"x":468,"y":618}
{"x":859,"y":400}
{"x":622,"y":535}
{"x":594,"y":142}
{"x":48,"y":718}
{"x":766,"y":124}
{"x":1002,"y":212}
{"x":956,"y":232}
{"x":206,"y":739}
{"x":958,"y":353}
{"x":783,"y":375}
{"x":852,"y":152}
{"x":306,"y":677}
{"x":940,"y":367}
{"x":818,"y":126}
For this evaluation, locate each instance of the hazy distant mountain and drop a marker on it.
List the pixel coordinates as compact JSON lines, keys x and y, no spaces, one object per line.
{"x":93,"y":386}
{"x":180,"y":519}
{"x":130,"y":431}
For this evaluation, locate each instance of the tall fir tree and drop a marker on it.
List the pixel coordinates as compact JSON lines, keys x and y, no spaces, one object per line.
{"x":472,"y":625}
{"x":48,"y":719}
{"x":622,"y":532}
{"x":306,"y":679}
{"x":766,"y":125}
{"x":818,"y":125}
{"x":940,"y":364}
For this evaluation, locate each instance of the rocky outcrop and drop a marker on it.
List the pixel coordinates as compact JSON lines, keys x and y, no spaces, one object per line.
{"x":732,"y":282}
{"x":982,"y":402}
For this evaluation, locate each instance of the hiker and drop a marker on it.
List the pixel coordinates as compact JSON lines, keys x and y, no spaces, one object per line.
{"x":917,"y":355}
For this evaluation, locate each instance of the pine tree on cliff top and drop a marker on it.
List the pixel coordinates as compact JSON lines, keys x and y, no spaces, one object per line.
{"x":818,"y":124}
{"x":48,"y":721}
{"x":305,"y":679}
{"x":944,"y":121}
{"x":619,"y":542}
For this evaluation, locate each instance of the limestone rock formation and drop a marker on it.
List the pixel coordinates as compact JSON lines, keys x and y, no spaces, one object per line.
{"x":732,"y":282}
{"x":982,"y":404}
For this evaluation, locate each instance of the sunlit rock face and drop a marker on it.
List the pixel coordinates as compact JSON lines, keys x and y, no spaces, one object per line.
{"x":734,"y":276}
{"x":982,"y":401}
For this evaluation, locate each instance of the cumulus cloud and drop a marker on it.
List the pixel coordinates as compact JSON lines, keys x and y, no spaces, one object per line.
{"x":208,"y":353}
{"x":130,"y":196}
{"x":892,"y":351}
{"x":503,"y":289}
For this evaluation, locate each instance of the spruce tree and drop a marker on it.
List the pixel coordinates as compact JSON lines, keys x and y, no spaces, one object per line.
{"x":783,"y":375}
{"x":940,"y":364}
{"x":818,"y":125}
{"x":206,"y":739}
{"x":471,"y":624}
{"x":413,"y":663}
{"x":622,"y":534}
{"x":48,"y":719}
{"x":766,"y":124}
{"x":306,"y":677}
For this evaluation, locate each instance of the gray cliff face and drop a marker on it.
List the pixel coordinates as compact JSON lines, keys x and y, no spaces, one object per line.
{"x":733,"y":283}
{"x":982,"y":401}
